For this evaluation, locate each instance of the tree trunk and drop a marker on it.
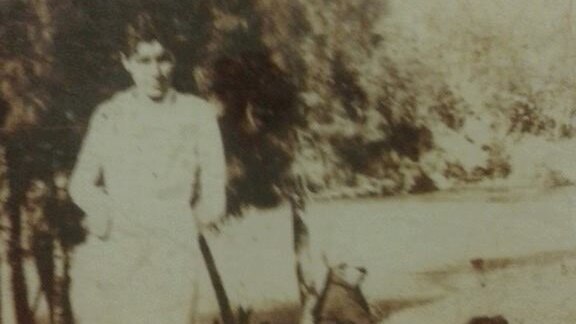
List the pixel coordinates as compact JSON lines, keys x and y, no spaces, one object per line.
{"x":44,"y":259}
{"x":16,"y":259}
{"x":65,"y":315}
{"x":2,"y":241}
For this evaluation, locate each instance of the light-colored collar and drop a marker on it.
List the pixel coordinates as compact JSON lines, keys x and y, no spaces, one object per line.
{"x":169,"y":98}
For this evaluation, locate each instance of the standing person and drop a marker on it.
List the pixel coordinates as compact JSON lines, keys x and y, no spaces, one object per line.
{"x":150,"y":175}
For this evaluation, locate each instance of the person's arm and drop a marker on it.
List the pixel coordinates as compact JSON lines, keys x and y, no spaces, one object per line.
{"x":84,"y":188}
{"x":211,"y":205}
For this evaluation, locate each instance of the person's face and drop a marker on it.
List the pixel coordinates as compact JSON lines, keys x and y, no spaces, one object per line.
{"x":151,"y":67}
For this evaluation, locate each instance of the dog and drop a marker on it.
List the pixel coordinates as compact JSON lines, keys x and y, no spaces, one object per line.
{"x":342,"y":300}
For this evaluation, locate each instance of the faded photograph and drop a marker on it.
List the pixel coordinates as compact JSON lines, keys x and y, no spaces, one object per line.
{"x":266,"y":161}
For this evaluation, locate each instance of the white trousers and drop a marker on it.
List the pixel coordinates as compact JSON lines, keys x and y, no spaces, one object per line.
{"x":139,"y":276}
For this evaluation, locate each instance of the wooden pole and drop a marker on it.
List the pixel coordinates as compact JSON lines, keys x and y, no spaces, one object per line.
{"x":223,"y":302}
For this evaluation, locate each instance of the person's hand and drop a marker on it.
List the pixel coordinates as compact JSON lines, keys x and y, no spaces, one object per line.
{"x":103,"y":237}
{"x":210,"y":228}
{"x":99,"y":226}
{"x":95,"y":237}
{"x":91,"y":237}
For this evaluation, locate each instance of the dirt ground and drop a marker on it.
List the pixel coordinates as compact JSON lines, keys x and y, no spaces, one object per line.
{"x":437,"y":258}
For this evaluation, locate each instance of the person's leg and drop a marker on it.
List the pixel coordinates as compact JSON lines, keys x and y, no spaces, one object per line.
{"x":89,"y":299}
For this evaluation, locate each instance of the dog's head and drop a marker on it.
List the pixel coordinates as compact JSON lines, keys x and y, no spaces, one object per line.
{"x":347,"y":275}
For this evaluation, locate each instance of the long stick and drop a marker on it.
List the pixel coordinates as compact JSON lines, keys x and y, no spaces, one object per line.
{"x":223,"y":302}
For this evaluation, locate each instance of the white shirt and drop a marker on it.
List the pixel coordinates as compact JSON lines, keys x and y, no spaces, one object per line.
{"x":153,"y":159}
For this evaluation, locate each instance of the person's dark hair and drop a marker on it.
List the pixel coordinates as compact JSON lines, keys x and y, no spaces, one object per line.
{"x":143,"y":28}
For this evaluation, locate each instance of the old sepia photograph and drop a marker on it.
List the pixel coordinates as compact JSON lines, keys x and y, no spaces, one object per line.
{"x":287,"y":161}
